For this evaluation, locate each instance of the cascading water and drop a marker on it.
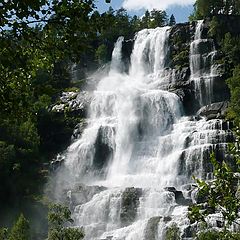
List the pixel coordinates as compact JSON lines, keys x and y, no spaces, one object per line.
{"x":137,"y":147}
{"x":203,"y":71}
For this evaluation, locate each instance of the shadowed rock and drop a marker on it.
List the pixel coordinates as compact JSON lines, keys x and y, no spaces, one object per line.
{"x":129,"y":205}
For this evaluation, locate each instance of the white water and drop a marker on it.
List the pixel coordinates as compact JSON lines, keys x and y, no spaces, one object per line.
{"x":203,"y":71}
{"x":152,"y":144}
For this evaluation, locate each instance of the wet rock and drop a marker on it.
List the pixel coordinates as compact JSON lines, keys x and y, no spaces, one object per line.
{"x":103,"y":147}
{"x":189,"y":232}
{"x":77,"y":102}
{"x":213,"y":111}
{"x":82,"y":194}
{"x":179,"y":196}
{"x":167,"y":219}
{"x":79,"y":128}
{"x":57,"y":163}
{"x":129,"y":205}
{"x":151,"y":230}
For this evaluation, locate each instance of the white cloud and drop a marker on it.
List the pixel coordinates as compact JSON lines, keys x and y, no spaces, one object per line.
{"x":150,"y":4}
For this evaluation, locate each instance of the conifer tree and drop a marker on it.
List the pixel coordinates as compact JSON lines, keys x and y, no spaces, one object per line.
{"x":172,"y":20}
{"x":20,"y":230}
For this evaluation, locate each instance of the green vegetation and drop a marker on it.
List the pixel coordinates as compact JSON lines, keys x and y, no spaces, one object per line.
{"x":58,"y":219}
{"x":220,"y":194}
{"x":209,"y":8}
{"x":19,"y":231}
{"x":173,"y":232}
{"x":215,"y":235}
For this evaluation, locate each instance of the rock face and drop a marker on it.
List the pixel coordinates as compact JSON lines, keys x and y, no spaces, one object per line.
{"x":74,"y":102}
{"x":129,"y":205}
{"x":181,"y":37}
{"x":103,"y":148}
{"x":179,"y":196}
{"x":82,"y":194}
{"x":151,"y":231}
{"x":214,"y":110}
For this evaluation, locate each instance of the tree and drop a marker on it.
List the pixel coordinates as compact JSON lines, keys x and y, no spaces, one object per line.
{"x":101,"y":54}
{"x":59,"y":218}
{"x":209,"y":8}
{"x":234,"y":85}
{"x":221,"y":194}
{"x":158,"y":18}
{"x":172,"y":20}
{"x":20,"y":230}
{"x":145,"y":20}
{"x":3,"y":233}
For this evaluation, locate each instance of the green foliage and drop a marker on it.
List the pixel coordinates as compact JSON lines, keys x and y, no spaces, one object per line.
{"x":173,"y":233}
{"x":231,"y":49}
{"x":58,"y":219}
{"x":180,"y":59}
{"x":221,"y":194}
{"x":101,"y":54}
{"x":3,"y":233}
{"x":217,"y":235}
{"x":234,"y":85}
{"x":20,"y":230}
{"x":209,"y":8}
{"x":172,"y":20}
{"x":153,"y":19}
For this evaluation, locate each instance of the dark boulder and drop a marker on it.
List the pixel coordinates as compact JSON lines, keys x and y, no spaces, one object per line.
{"x":129,"y":205}
{"x":214,"y":110}
{"x":103,"y":148}
{"x":151,"y":230}
{"x":179,"y":196}
{"x":82,"y":194}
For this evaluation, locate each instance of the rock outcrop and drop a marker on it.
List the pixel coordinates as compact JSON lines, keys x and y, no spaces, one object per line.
{"x":129,"y":205}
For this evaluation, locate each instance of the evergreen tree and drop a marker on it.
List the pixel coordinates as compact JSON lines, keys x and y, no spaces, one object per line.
{"x":58,"y":219}
{"x":145,"y":20}
{"x":209,"y":8}
{"x":172,"y":20}
{"x":158,"y":18}
{"x":21,"y":229}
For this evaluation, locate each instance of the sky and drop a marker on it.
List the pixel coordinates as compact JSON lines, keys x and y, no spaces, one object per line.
{"x":181,"y":9}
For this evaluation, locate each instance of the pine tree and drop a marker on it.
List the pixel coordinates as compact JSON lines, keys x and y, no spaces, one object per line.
{"x":172,"y":20}
{"x":20,"y":230}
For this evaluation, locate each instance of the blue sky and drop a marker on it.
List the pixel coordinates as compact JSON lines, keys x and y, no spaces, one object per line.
{"x":181,"y":9}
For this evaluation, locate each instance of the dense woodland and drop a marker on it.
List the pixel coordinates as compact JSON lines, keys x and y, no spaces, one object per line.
{"x":39,"y":42}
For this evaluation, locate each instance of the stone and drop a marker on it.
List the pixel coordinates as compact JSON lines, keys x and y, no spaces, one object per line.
{"x":74,"y":102}
{"x":179,"y":196}
{"x":78,"y":130}
{"x":82,"y":194}
{"x":167,"y":219}
{"x":103,"y":147}
{"x":129,"y":205}
{"x":151,"y":229}
{"x":188,"y":232}
{"x":214,"y":110}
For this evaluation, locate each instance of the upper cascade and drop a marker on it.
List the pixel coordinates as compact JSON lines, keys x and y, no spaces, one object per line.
{"x":138,"y":148}
{"x":116,"y":63}
{"x":150,"y":51}
{"x":203,"y":69}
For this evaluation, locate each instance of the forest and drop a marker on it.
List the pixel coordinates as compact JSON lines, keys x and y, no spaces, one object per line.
{"x":40,"y":41}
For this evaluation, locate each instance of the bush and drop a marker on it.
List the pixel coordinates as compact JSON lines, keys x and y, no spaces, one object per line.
{"x":173,"y":232}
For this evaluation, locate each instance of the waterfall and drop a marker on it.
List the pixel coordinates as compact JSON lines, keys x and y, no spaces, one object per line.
{"x":203,"y":71}
{"x":120,"y":177}
{"x":117,"y":56}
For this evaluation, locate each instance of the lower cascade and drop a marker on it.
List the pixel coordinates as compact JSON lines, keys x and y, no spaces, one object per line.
{"x":129,"y":175}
